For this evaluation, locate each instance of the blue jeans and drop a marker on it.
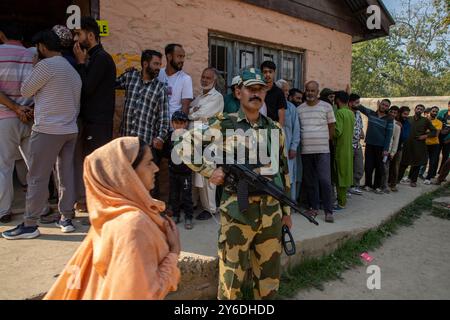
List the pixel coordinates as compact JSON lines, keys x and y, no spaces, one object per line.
{"x":317,"y":179}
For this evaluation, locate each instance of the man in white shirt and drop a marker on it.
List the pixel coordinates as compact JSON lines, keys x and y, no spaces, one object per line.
{"x":204,"y":107}
{"x":210,"y":102}
{"x":180,"y":94}
{"x":178,"y":83}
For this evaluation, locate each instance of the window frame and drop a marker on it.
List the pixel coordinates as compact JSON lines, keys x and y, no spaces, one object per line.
{"x":236,"y":45}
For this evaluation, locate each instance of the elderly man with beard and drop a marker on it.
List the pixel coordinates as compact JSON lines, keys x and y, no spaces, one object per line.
{"x":208,"y":104}
{"x":146,"y":110}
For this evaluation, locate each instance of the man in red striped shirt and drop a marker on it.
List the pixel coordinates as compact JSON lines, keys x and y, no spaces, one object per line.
{"x":16,"y":63}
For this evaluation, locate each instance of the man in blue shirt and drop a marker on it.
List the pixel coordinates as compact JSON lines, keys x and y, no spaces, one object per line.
{"x":378,"y":140}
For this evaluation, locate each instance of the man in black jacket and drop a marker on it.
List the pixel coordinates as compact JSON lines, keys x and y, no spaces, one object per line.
{"x":98,"y":73}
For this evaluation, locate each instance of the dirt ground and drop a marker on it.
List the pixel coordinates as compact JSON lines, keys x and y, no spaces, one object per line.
{"x":414,"y":264}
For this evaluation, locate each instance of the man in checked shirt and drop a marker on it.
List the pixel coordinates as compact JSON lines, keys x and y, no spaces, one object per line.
{"x":146,"y":111}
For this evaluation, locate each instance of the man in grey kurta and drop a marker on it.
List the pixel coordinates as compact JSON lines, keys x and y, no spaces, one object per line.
{"x":415,"y":148}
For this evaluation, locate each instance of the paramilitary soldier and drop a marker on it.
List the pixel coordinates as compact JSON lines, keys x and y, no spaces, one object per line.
{"x":250,"y":240}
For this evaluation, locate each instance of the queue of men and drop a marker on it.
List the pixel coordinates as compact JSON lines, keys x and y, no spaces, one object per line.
{"x":57,"y":106}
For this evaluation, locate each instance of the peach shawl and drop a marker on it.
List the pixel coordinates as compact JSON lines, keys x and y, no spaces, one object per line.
{"x":125,"y":254}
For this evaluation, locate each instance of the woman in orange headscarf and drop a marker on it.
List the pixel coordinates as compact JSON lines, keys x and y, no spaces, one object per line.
{"x":131,"y":251}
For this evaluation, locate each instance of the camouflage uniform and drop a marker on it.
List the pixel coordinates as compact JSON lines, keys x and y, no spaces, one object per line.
{"x":250,"y":240}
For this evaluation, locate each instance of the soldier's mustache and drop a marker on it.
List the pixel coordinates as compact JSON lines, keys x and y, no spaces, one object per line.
{"x":255,"y":98}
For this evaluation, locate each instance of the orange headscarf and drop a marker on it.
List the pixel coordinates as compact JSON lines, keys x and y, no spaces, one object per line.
{"x":125,"y":254}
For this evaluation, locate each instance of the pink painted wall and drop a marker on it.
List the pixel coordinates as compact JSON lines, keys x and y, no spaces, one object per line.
{"x":142,"y":24}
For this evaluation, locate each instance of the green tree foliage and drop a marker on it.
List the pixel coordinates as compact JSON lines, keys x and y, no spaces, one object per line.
{"x":413,"y":61}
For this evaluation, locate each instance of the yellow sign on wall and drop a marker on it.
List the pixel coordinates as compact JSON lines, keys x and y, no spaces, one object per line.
{"x":104,"y":28}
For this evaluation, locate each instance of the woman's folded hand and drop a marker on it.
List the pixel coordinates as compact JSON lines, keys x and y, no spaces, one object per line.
{"x":173,"y":236}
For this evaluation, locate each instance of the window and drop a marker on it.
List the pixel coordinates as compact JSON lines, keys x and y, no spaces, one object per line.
{"x":290,"y":67}
{"x":247,"y":59}
{"x":229,"y":57}
{"x":219,"y":59}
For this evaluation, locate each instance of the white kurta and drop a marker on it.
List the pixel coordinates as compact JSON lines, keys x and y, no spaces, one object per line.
{"x":206,"y":106}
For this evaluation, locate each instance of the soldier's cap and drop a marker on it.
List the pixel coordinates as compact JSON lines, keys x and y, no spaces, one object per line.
{"x":179,"y":116}
{"x":326,"y":92}
{"x":252,"y":76}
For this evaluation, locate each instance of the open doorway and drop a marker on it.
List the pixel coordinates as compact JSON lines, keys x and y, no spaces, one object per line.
{"x":33,"y":16}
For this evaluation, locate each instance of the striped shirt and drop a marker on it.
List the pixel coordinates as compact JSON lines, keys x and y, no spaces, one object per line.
{"x":16,"y":63}
{"x":146,"y":111}
{"x":56,"y":87}
{"x":314,"y":123}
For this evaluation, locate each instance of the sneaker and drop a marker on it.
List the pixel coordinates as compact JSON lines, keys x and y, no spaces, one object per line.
{"x":421,"y":177}
{"x":204,"y":215}
{"x":188,"y":225}
{"x":387,"y":191}
{"x":66,"y":225}
{"x":7,"y":218}
{"x":394,"y":189}
{"x":379,"y":191}
{"x":367,"y":189}
{"x":356,"y":191}
{"x":413,"y":184}
{"x":427,"y":182}
{"x":338,"y":208}
{"x":405,"y":181}
{"x":329,"y":218}
{"x":21,"y":232}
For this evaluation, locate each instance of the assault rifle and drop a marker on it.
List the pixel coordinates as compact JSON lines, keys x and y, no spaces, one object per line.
{"x":242,"y":177}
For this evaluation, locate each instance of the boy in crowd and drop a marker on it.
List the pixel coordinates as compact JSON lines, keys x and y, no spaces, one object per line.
{"x":180,"y":175}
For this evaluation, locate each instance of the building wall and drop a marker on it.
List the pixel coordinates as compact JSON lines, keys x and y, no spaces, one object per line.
{"x":141,"y":24}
